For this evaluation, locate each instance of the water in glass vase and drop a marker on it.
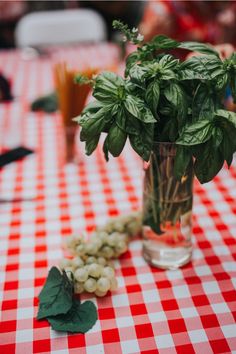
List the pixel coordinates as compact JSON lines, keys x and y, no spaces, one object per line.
{"x":167,"y":211}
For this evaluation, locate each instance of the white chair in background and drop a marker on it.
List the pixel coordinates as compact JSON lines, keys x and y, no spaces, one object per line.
{"x":60,"y":27}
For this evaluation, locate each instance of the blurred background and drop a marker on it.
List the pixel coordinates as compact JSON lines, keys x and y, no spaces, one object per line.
{"x":209,"y":21}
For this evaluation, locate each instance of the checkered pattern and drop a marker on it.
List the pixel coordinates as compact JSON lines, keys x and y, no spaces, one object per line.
{"x":191,"y":310}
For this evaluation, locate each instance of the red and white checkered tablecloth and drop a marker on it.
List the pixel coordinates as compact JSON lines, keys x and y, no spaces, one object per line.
{"x":191,"y":310}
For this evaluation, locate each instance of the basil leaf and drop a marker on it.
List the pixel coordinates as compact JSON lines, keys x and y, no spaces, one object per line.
{"x":152,"y":95}
{"x":92,"y":107}
{"x":168,"y":62}
{"x":208,"y":163}
{"x":199,"y":47}
{"x":164,"y":42}
{"x":203,"y":105}
{"x":138,"y":109}
{"x":228,"y":128}
{"x":107,"y":86}
{"x":196,"y":133}
{"x":142,"y":143}
{"x":131,"y":59}
{"x":91,"y":145}
{"x":121,"y":118}
{"x":116,"y":140}
{"x":94,"y":125}
{"x":79,"y":319}
{"x":168,"y":75}
{"x":222,"y":81}
{"x":229,"y":116}
{"x":228,"y":145}
{"x":175,"y":95}
{"x":56,"y":295}
{"x":133,"y":125}
{"x":137,"y":73}
{"x":105,"y":150}
{"x":203,"y":66}
{"x":188,"y":74}
{"x":217,"y":136}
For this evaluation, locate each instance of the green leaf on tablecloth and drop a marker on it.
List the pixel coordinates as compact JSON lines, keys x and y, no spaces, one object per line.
{"x":56,"y":295}
{"x":79,"y":319}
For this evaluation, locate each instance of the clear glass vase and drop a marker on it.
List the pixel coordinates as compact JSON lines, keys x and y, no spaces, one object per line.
{"x":167,"y":210}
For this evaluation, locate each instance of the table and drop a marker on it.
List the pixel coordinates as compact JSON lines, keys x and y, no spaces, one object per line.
{"x":191,"y":310}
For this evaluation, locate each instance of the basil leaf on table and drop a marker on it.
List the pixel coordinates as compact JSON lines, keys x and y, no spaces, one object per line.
{"x":79,"y":319}
{"x":56,"y":295}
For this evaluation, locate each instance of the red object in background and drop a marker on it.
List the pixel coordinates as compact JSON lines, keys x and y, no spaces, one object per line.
{"x":207,"y":21}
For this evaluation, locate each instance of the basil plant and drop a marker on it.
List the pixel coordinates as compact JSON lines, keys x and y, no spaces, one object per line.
{"x":164,"y":99}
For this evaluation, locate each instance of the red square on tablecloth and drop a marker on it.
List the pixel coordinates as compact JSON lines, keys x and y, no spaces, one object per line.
{"x":110,"y":335}
{"x":144,"y":330}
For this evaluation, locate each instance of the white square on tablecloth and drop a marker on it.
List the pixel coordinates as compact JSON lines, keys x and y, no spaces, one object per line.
{"x":189,"y":312}
{"x":126,"y":321}
{"x":24,"y":335}
{"x":120,"y":300}
{"x":221,"y":250}
{"x":25,"y":293}
{"x":164,"y":341}
{"x":150,"y":296}
{"x":26,"y":274}
{"x":54,"y":254}
{"x":211,"y":287}
{"x":26,"y":257}
{"x":130,"y":346}
{"x":181,"y":291}
{"x":157,"y":317}
{"x":221,"y":308}
{"x":139,"y":262}
{"x":203,"y":270}
{"x":174,"y":274}
{"x":198,"y":336}
{"x":135,"y":245}
{"x":229,"y":330}
{"x":146,"y":278}
{"x":25,"y":313}
{"x":3,"y":244}
{"x":26,"y":242}
{"x":27,"y":229}
{"x":229,"y":266}
{"x":94,"y":349}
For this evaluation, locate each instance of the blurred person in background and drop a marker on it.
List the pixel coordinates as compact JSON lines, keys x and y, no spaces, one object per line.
{"x":204,"y":21}
{"x":10,"y":13}
{"x":130,"y":12}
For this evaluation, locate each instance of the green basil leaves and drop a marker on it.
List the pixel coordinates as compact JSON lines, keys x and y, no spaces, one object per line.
{"x":61,"y":309}
{"x":164,"y":99}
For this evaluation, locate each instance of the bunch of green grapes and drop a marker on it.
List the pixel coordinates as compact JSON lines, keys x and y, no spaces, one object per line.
{"x":91,"y":266}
